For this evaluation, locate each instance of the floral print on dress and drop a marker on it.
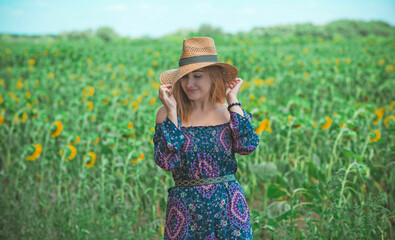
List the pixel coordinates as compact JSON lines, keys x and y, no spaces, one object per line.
{"x":213,"y":211}
{"x":168,"y":140}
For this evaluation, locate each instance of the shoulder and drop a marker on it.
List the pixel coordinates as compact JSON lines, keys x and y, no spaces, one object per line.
{"x":161,"y":115}
{"x":223,"y":110}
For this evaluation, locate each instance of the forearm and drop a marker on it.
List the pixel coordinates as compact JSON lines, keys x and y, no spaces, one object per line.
{"x":172,"y":115}
{"x":235,"y":108}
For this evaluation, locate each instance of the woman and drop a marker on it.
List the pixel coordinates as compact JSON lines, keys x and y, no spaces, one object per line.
{"x":196,"y":137}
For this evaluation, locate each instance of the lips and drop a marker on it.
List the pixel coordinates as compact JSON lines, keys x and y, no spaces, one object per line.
{"x":192,"y":90}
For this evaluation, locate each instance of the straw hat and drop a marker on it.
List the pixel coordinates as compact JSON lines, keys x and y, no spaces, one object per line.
{"x":198,"y":52}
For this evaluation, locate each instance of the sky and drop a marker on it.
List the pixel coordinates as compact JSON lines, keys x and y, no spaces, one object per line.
{"x":156,"y":18}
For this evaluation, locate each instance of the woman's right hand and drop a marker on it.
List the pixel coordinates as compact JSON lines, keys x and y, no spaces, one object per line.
{"x":167,"y":98}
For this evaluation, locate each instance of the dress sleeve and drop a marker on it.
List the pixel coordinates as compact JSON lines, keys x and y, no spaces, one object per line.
{"x":245,"y":140}
{"x":168,"y":140}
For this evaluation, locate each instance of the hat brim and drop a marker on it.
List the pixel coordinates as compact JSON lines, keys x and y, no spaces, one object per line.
{"x":173,"y":75}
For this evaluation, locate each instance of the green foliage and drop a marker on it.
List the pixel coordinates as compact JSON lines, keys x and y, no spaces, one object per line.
{"x":352,"y":29}
{"x":106,"y":33}
{"x":338,"y":28}
{"x":302,"y":182}
{"x":208,"y":30}
{"x":76,"y":35}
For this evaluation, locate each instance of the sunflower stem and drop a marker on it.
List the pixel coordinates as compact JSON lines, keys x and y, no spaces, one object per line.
{"x":42,"y":162}
{"x":364,"y":147}
{"x":125,"y":167}
{"x":312,"y":141}
{"x":288,"y":141}
{"x":344,"y":183}
{"x":60,"y":178}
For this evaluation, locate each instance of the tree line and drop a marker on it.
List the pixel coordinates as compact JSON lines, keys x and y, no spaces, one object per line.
{"x":337,"y":28}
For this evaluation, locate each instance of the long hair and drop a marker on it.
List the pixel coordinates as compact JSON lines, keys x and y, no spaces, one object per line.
{"x":217,"y":92}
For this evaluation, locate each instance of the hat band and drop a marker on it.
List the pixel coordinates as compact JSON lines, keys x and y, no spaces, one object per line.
{"x":197,"y":59}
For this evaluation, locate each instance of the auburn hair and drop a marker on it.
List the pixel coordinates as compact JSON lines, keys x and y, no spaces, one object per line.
{"x":217,"y":92}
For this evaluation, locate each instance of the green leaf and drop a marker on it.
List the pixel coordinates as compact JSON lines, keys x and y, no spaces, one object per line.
{"x":312,"y":193}
{"x":314,"y":172}
{"x":350,"y":154}
{"x":274,"y":191}
{"x":295,"y":179}
{"x":264,"y":171}
{"x":277,"y":209}
{"x":271,"y":224}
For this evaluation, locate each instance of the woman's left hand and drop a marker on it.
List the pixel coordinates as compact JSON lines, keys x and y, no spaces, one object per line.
{"x":232,"y":88}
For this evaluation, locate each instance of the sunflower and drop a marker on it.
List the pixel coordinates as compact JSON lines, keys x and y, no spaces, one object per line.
{"x":90,"y":105}
{"x":327,"y":124}
{"x":380,"y":114}
{"x":93,"y":159}
{"x":88,"y":91}
{"x":263,"y":126}
{"x":36,"y":154}
{"x":59,"y":128}
{"x":377,"y":137}
{"x":392,"y":117}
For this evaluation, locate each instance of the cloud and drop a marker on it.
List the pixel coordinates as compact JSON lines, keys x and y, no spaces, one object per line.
{"x":203,"y":5}
{"x":40,"y":3}
{"x":163,"y":8}
{"x":17,"y":12}
{"x":112,"y":8}
{"x":117,"y":7}
{"x":249,"y":10}
{"x":37,"y":3}
{"x":311,"y":5}
{"x":48,"y":16}
{"x":153,"y":8}
{"x":145,"y":6}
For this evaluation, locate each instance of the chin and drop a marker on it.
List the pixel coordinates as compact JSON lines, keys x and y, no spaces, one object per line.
{"x":193,"y":98}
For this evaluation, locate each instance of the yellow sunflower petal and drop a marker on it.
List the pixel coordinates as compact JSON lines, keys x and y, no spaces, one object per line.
{"x":380,"y":114}
{"x":90,"y":104}
{"x":327,"y":124}
{"x":93,"y":160}
{"x":262,"y":126}
{"x":59,"y":128}
{"x":377,"y":137}
{"x":392,"y":117}
{"x":73,"y":152}
{"x":130,"y":126}
{"x":36,"y":153}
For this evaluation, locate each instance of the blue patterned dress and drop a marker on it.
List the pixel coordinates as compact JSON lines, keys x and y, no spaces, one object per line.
{"x":214,"y":211}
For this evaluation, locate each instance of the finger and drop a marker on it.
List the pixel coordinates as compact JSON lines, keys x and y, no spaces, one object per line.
{"x":169,"y":92}
{"x":166,"y":86}
{"x":164,"y":92}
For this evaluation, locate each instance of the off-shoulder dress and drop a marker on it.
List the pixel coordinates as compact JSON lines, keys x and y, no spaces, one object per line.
{"x":214,"y":211}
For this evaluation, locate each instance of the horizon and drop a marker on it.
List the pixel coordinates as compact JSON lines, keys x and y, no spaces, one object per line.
{"x":155,"y":19}
{"x":191,"y":29}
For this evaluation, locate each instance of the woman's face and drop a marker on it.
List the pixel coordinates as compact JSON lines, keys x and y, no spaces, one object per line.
{"x":196,"y":84}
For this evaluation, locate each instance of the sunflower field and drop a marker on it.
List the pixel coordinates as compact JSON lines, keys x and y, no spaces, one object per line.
{"x":77,"y":123}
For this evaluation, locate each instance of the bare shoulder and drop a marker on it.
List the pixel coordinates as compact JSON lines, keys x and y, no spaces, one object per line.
{"x":161,"y":115}
{"x":224,"y":112}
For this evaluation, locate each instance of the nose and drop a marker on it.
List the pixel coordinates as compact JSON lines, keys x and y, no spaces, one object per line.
{"x":189,"y":81}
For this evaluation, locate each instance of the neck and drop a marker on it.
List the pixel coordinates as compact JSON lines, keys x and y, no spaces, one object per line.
{"x":202,"y":105}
